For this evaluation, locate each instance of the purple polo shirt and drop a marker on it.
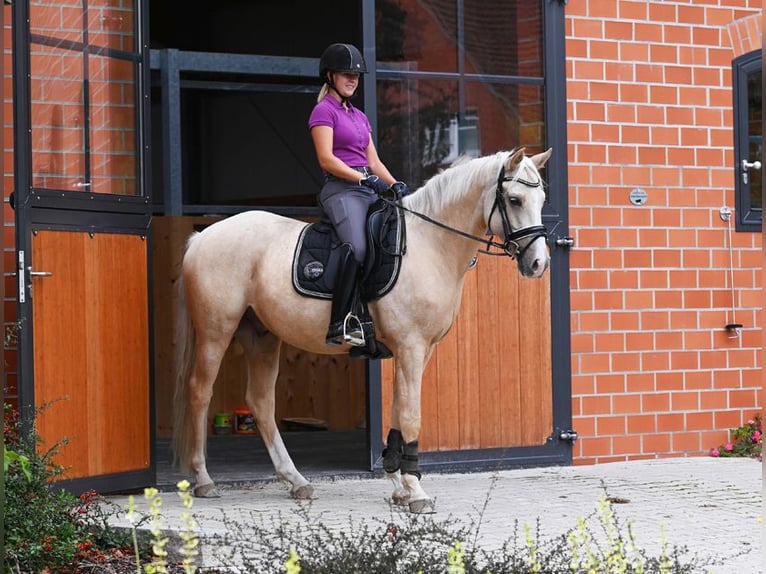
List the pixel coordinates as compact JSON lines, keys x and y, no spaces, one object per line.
{"x":351,"y":130}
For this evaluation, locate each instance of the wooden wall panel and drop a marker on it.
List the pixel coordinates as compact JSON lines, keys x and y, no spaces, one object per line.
{"x":489,"y":381}
{"x":90,"y":321}
{"x":330,"y":388}
{"x":469,"y":379}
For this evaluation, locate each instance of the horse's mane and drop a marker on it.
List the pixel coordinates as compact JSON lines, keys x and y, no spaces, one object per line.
{"x":457,"y":180}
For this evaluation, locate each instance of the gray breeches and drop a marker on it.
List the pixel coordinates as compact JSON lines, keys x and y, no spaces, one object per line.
{"x":346,"y":205}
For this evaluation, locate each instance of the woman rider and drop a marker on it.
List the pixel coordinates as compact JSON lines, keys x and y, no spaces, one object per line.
{"x":354,"y":177}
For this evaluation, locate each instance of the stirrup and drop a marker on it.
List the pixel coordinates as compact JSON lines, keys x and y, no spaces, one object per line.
{"x":355,"y":335}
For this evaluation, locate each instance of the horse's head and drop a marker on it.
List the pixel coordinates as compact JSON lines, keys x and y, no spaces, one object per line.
{"x":514,"y":211}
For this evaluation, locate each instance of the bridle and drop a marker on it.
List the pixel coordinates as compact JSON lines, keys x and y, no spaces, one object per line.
{"x":510,"y":246}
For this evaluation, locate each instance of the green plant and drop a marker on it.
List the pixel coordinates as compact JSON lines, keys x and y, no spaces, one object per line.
{"x":747,"y":441}
{"x":407,"y":544}
{"x":46,"y":528}
{"x":39,"y":529}
{"x":161,"y":560}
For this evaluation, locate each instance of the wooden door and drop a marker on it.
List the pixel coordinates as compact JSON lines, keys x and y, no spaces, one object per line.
{"x":488,"y":384}
{"x":91,"y":350}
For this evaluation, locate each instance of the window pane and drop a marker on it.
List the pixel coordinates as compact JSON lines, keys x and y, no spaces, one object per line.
{"x":417,"y":127}
{"x":113,"y":126}
{"x":250,"y":147}
{"x":417,"y":35}
{"x":62,"y":19}
{"x":110,"y":24}
{"x":58,"y":116}
{"x":754,"y":137}
{"x":504,"y":37}
{"x":507,"y":116}
{"x":420,"y":129}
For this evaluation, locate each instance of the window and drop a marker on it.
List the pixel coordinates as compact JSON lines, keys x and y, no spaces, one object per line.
{"x":84,"y":104}
{"x":472,"y":83}
{"x":748,"y":141}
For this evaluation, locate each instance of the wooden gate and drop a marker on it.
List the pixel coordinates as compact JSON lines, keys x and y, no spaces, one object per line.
{"x":91,"y":350}
{"x":488,"y":384}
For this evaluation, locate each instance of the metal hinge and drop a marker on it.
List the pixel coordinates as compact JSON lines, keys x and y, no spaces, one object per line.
{"x":20,"y":275}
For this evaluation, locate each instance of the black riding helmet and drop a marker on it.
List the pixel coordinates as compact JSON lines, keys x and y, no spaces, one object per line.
{"x":341,"y":58}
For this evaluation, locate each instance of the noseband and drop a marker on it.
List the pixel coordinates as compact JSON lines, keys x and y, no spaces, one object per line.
{"x":511,"y":245}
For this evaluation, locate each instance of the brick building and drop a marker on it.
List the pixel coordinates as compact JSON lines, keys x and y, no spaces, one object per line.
{"x":650,"y":106}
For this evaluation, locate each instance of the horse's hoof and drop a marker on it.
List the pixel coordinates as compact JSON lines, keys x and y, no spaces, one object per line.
{"x":206,"y":491}
{"x":425,"y":506}
{"x":305,"y":492}
{"x":400,"y":498}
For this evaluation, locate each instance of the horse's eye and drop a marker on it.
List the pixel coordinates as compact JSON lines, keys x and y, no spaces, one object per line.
{"x":514,"y":201}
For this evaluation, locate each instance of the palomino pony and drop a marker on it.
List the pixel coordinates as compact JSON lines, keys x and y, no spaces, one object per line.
{"x":236,"y":283}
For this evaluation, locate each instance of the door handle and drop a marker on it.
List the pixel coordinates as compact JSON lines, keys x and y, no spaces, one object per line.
{"x":747,"y":166}
{"x":39,"y":273}
{"x":566,"y":242}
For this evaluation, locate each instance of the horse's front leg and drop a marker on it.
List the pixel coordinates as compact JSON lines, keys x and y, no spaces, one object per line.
{"x":262,"y":370}
{"x":400,"y":459}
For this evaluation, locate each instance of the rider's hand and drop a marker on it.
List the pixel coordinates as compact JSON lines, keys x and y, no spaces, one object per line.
{"x":401,"y":189}
{"x":374,"y":183}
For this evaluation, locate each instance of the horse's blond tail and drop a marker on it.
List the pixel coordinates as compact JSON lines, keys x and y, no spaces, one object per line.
{"x":185,"y":344}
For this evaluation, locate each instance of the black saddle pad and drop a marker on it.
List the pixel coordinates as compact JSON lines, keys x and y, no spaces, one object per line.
{"x":315,"y":261}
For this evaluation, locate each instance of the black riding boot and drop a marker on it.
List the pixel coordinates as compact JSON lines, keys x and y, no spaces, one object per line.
{"x":345,"y":326}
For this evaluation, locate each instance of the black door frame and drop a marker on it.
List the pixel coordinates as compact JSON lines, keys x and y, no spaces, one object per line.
{"x":83,"y":211}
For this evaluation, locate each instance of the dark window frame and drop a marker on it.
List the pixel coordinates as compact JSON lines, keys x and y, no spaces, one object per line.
{"x":748,"y":217}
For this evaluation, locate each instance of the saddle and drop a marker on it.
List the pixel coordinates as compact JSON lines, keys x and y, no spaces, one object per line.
{"x":316,"y":255}
{"x":316,"y":260}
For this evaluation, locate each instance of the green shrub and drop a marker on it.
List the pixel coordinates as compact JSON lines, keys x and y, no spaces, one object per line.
{"x":47,"y":527}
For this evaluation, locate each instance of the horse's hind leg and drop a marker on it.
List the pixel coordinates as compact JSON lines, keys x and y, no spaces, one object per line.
{"x":207,"y":362}
{"x":262,"y":351}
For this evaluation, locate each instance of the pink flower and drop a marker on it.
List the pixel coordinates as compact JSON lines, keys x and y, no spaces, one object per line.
{"x":714,"y":452}
{"x":756,"y":436}
{"x":751,"y":422}
{"x":729,"y":447}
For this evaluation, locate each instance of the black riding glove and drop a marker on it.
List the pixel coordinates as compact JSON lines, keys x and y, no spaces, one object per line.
{"x":401,"y":189}
{"x":374,"y":183}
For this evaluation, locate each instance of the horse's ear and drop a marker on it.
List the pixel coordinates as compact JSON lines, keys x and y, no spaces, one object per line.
{"x":514,"y":160}
{"x":541,"y":159}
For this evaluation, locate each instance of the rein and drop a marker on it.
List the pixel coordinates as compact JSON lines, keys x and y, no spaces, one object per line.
{"x":510,"y":246}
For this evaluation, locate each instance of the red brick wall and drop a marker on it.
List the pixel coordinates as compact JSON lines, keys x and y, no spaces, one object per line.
{"x":649,"y":105}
